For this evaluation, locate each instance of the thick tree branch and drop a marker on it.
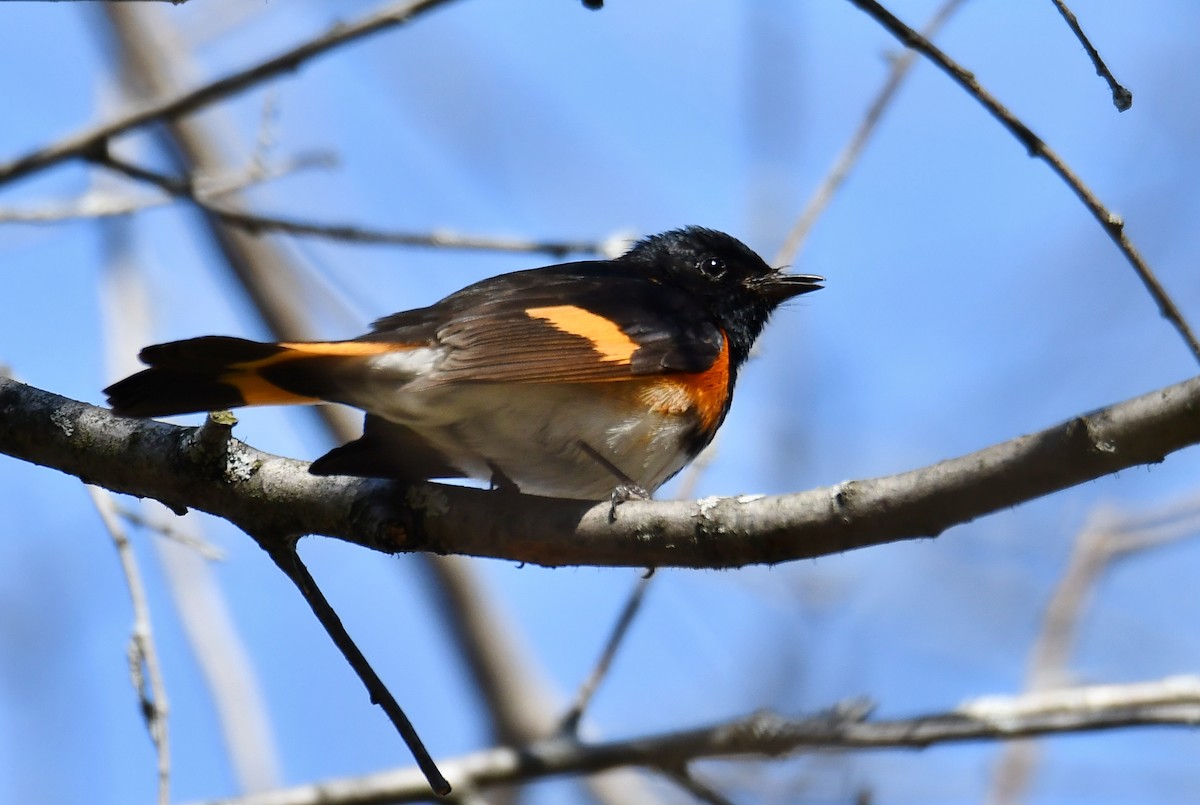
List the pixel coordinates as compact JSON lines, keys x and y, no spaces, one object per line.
{"x":764,"y":734}
{"x":264,"y":494}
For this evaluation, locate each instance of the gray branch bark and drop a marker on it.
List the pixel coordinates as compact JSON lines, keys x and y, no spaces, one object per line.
{"x":1170,"y":701}
{"x":276,"y":498}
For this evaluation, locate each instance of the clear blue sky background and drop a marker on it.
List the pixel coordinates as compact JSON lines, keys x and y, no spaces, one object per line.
{"x":970,"y":299}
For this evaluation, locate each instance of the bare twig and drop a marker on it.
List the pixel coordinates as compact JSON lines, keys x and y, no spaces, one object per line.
{"x":438,"y":239}
{"x":702,"y":791}
{"x":570,"y":721}
{"x":1110,"y":221}
{"x":92,"y":204}
{"x":285,"y":556}
{"x":105,"y":203}
{"x":1172,"y":701}
{"x":255,"y":223}
{"x":196,"y":543}
{"x":1122,"y":97}
{"x":181,"y":103}
{"x":221,"y":654}
{"x":846,"y":160}
{"x":143,"y":656}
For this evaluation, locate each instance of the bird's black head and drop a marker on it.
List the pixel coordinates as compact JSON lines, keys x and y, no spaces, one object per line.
{"x":727,"y":276}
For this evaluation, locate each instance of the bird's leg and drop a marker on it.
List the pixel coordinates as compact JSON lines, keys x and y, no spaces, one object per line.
{"x":501,"y":482}
{"x":626,"y":489}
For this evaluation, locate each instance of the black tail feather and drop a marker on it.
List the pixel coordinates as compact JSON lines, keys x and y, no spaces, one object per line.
{"x":164,"y":392}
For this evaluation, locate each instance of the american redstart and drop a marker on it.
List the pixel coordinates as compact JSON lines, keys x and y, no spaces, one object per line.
{"x":572,"y":380}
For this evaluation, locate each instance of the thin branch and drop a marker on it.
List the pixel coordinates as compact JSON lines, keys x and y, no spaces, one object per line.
{"x":849,"y":156}
{"x":570,"y":721}
{"x":203,"y":547}
{"x":264,"y":494}
{"x":443,"y":239}
{"x":143,"y":656}
{"x":103,"y":203}
{"x":178,"y":104}
{"x":254,"y":223}
{"x":92,"y":204}
{"x":1172,"y":701}
{"x":285,"y":556}
{"x":1122,"y":97}
{"x":1110,"y":221}
{"x":699,"y":789}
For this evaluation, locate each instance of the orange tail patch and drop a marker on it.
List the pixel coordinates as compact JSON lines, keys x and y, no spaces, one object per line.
{"x":217,"y":372}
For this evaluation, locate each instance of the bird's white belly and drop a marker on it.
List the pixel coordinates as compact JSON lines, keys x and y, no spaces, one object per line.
{"x":531,"y":434}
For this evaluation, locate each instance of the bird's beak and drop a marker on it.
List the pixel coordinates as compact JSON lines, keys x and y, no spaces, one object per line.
{"x":780,"y":286}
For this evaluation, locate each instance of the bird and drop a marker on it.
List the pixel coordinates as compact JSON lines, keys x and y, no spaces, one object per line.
{"x":584,"y":380}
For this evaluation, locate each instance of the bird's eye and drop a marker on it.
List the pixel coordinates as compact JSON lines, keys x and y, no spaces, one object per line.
{"x":712,"y":267}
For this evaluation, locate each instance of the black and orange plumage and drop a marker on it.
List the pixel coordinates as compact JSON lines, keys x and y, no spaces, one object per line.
{"x":567,"y":380}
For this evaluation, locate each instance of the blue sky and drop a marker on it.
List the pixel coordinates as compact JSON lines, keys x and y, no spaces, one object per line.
{"x":970,"y":299}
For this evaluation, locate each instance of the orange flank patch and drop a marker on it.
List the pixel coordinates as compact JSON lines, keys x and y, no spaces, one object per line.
{"x":605,"y":336}
{"x":705,"y":392}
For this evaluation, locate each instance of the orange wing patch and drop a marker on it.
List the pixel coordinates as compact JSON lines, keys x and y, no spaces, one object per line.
{"x":706,"y":393}
{"x":604,"y":336}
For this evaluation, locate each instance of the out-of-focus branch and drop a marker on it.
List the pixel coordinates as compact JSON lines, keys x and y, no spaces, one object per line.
{"x":1172,"y":701}
{"x":1122,"y":98}
{"x":143,"y":656}
{"x":268,"y":274}
{"x":1110,"y":221}
{"x":846,"y":160}
{"x":441,"y":239}
{"x":267,"y":495}
{"x":107,"y":203}
{"x":1106,"y":538}
{"x":570,"y":721}
{"x":181,"y":102}
{"x":193,"y":542}
{"x":254,"y":223}
{"x":199,"y":600}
